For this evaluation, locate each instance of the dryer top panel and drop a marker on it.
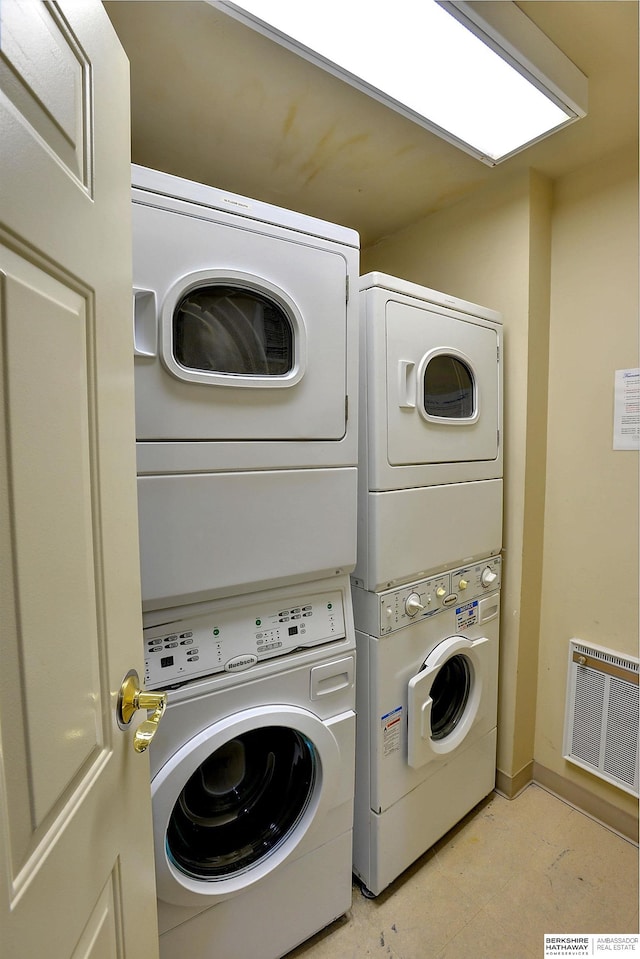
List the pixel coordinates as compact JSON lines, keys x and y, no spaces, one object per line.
{"x":394,"y":284}
{"x":166,"y":186}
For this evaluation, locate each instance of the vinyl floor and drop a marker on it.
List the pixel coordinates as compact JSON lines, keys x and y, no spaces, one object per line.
{"x":510,"y":872}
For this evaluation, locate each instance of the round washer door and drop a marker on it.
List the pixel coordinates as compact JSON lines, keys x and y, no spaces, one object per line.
{"x":236,"y":800}
{"x":445,"y":698}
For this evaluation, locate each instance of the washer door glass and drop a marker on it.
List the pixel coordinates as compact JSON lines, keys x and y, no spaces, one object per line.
{"x":445,"y":696}
{"x":242,"y":802}
{"x":226,"y":329}
{"x":450,"y":693}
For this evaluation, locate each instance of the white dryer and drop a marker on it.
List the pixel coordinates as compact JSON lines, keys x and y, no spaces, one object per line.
{"x":253,"y":770}
{"x":430,"y":452}
{"x":427,"y":713}
{"x":246,"y":365}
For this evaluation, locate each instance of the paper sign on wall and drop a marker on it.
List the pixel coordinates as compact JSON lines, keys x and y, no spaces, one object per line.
{"x":626,"y":410}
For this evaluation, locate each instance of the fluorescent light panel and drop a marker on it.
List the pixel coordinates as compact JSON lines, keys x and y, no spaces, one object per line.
{"x":420,"y":60}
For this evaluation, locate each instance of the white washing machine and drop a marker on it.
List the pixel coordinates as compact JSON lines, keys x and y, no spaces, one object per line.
{"x":246,"y":367}
{"x":427,"y":713}
{"x":253,"y":770}
{"x":430,"y":452}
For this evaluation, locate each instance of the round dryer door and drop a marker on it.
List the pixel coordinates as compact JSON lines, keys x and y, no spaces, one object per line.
{"x":445,"y":698}
{"x":225,"y":328}
{"x":235,"y":801}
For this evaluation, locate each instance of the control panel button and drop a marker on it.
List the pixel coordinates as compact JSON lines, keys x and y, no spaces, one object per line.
{"x":463,"y":584}
{"x":440,"y":592}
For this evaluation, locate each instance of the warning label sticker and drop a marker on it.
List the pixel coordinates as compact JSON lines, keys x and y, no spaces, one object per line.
{"x":391,"y":724}
{"x":467,"y":616}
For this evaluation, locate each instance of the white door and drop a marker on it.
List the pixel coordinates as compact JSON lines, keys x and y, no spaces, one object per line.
{"x":442,"y":380}
{"x":235,"y":801}
{"x":445,"y":699}
{"x":75,"y":828}
{"x":251,"y":337}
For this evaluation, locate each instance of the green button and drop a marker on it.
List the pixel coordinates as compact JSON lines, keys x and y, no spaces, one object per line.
{"x":329,"y":605}
{"x":216,"y":632}
{"x":258,"y":622}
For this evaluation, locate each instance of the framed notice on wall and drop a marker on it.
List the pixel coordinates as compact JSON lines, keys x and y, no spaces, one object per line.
{"x":626,"y":410}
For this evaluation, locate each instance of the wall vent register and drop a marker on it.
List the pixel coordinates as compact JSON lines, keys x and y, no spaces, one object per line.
{"x":601,"y":720}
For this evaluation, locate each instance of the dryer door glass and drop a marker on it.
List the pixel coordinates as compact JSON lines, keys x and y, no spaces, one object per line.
{"x":449,"y":390}
{"x":242,"y":802}
{"x":227,"y":329}
{"x":450,"y":693}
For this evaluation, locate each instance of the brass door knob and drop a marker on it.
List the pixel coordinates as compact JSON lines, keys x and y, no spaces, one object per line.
{"x":131,"y":698}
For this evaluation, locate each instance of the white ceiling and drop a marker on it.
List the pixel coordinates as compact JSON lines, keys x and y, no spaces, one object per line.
{"x":216,"y":102}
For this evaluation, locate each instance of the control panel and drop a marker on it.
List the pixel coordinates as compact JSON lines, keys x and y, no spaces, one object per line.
{"x":233,"y":640}
{"x":477,"y":579}
{"x":407,"y":604}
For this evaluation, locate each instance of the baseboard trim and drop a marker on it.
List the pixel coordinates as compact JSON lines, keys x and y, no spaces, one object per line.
{"x":512,"y":786}
{"x":623,"y":823}
{"x":618,"y":821}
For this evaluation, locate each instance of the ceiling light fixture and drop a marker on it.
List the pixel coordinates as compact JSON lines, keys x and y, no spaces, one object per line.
{"x":481,"y":75}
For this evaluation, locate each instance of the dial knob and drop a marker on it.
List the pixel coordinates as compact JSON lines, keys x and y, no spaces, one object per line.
{"x":440,"y":592}
{"x":463,"y":584}
{"x":488,"y":576}
{"x":412,"y":604}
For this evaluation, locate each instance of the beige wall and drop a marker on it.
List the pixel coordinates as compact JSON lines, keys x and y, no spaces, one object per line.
{"x":566,"y":271}
{"x":590,"y":579}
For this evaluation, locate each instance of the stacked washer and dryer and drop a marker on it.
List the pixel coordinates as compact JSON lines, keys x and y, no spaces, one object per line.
{"x":426,"y":587}
{"x":246,"y":372}
{"x":246,"y":365}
